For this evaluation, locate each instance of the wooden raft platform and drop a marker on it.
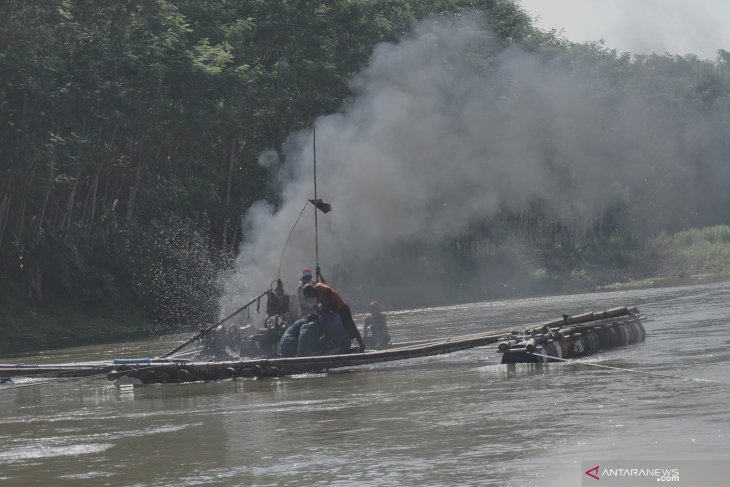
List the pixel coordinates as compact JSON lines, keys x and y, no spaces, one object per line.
{"x":170,"y":370}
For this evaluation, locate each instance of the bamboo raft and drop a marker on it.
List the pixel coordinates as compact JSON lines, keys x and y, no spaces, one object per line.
{"x":572,"y":337}
{"x":568,"y":337}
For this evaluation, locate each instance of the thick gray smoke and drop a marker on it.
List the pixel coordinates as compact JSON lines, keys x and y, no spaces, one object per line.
{"x":446,"y":128}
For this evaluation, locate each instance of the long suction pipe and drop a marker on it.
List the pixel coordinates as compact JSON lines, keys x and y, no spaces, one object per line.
{"x":316,"y":232}
{"x":209,"y":328}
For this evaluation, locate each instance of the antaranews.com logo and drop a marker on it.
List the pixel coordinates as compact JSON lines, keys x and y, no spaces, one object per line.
{"x":658,"y":474}
{"x":695,"y":473}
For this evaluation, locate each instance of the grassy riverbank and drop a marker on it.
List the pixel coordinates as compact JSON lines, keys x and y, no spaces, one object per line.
{"x":54,"y":323}
{"x":693,"y":256}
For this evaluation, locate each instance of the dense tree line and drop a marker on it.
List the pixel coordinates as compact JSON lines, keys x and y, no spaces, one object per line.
{"x":130,"y":133}
{"x":126,"y":124}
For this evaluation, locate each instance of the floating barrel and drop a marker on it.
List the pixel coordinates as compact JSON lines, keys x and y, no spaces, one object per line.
{"x":518,"y":355}
{"x":549,"y":351}
{"x":575,"y":348}
{"x":572,"y":337}
{"x":642,"y":330}
{"x":631,"y":332}
{"x":581,"y":347}
{"x":593,"y":338}
{"x":633,"y":336}
{"x":635,"y":332}
{"x":587,"y":344}
{"x":590,"y":346}
{"x":559,"y":351}
{"x":629,"y":337}
{"x":615,"y":337}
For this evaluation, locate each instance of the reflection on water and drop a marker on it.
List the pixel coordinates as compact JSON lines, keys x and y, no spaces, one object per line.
{"x":458,"y":419}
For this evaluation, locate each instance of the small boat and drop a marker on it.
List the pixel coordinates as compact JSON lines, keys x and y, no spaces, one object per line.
{"x":564,"y":338}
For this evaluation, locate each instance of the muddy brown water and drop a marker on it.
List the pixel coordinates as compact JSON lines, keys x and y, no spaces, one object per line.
{"x":456,"y":419}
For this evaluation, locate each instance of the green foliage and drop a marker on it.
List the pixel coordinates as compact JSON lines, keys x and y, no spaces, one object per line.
{"x":630,"y":284}
{"x":130,"y":133}
{"x":118,"y":116}
{"x":693,"y":251}
{"x":580,"y":275}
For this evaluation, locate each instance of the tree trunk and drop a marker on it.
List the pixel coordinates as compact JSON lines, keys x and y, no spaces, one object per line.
{"x":34,"y":270}
{"x":21,"y":224}
{"x":5,"y":207}
{"x":4,"y":210}
{"x":42,"y":214}
{"x":68,"y":215}
{"x":229,"y":178}
{"x":236,"y":236}
{"x":91,"y":214}
{"x":137,"y":179}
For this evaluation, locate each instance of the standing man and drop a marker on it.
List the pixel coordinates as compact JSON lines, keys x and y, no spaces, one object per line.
{"x":331,"y":299}
{"x":307,"y":306}
{"x":376,"y":324}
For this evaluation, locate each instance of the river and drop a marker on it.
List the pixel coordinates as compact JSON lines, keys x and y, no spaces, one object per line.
{"x":457,"y":419}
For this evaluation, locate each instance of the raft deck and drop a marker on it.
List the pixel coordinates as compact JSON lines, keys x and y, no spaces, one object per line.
{"x":171,"y":370}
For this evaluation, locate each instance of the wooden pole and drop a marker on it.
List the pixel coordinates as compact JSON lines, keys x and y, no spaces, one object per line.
{"x":211,"y":327}
{"x":316,"y":230}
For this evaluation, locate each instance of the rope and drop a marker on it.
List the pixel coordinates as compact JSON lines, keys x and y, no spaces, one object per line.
{"x":655,"y":374}
{"x":278,"y":273}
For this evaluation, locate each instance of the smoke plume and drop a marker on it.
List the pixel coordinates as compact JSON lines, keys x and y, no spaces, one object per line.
{"x":448,"y":127}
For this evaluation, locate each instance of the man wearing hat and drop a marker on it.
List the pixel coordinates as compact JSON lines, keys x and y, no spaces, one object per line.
{"x":307,"y":305}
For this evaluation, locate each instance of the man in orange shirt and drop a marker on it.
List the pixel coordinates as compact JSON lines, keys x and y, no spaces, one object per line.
{"x":331,"y":299}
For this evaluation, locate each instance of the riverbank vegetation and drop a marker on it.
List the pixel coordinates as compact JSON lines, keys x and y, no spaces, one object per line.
{"x":693,"y":251}
{"x":130,"y":136}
